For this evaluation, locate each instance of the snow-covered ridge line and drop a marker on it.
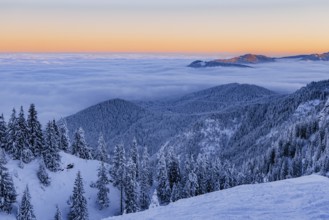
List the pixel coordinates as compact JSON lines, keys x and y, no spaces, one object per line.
{"x":299,"y":198}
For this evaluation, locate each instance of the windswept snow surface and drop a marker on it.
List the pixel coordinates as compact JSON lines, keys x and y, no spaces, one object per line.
{"x":45,"y":199}
{"x":300,"y":198}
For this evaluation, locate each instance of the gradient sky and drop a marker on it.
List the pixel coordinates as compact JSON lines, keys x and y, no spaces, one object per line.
{"x":259,"y":26}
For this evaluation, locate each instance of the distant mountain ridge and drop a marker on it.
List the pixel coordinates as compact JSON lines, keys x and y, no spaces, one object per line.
{"x":310,"y":57}
{"x":247,"y":59}
{"x":231,"y":120}
{"x":244,"y":61}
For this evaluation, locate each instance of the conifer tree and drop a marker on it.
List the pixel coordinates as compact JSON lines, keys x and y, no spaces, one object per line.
{"x":175,"y":193}
{"x":3,"y":132}
{"x":131,"y":187}
{"x":102,"y":195}
{"x":163,"y":188}
{"x":26,"y":211}
{"x":50,"y":152}
{"x":56,"y":133}
{"x":34,"y":132}
{"x":11,"y":146}
{"x":7,"y":189}
{"x":134,"y":156}
{"x":101,"y":153}
{"x":174,"y":174}
{"x":3,"y":158}
{"x":22,"y":140}
{"x":78,"y":209}
{"x":155,"y":200}
{"x":191,"y":182}
{"x":64,"y":142}
{"x":43,"y":175}
{"x":79,"y":146}
{"x":217,"y":175}
{"x":144,"y":197}
{"x":118,"y":171}
{"x":58,"y":214}
{"x":203,"y":171}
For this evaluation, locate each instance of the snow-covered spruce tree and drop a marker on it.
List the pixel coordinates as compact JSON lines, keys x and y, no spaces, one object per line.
{"x":58,"y":214}
{"x":34,"y":132}
{"x":78,"y":209}
{"x":50,"y":152}
{"x":43,"y":175}
{"x":79,"y":145}
{"x":163,"y":188}
{"x":64,"y":141}
{"x":102,"y":195}
{"x":217,"y":177}
{"x":191,"y":181}
{"x":134,"y":156}
{"x":7,"y":189}
{"x":204,"y":174}
{"x":22,"y":140}
{"x":101,"y":153}
{"x":26,"y":211}
{"x":11,"y":146}
{"x":144,"y":194}
{"x":3,"y":157}
{"x":131,"y":188}
{"x":175,"y":193}
{"x":118,"y":171}
{"x":174,"y":174}
{"x":3,"y":132}
{"x":155,"y":200}
{"x":56,"y":132}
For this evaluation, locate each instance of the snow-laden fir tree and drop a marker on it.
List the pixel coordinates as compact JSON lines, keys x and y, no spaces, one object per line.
{"x":58,"y":214}
{"x":3,"y":132}
{"x":134,"y":155}
{"x":103,"y":191}
{"x":101,"y":153}
{"x":155,"y":200}
{"x":43,"y":175}
{"x":163,"y":187}
{"x":11,"y":146}
{"x":50,"y":152}
{"x":22,"y":140}
{"x":191,"y":181}
{"x":26,"y":211}
{"x":79,"y":146}
{"x":78,"y":209}
{"x":3,"y":156}
{"x":64,"y":141}
{"x":118,"y":171}
{"x":144,"y":194}
{"x":217,"y":175}
{"x":176,"y":193}
{"x":204,"y":174}
{"x":34,"y":132}
{"x":131,"y":187}
{"x":56,"y":131}
{"x":7,"y":189}
{"x":174,"y":174}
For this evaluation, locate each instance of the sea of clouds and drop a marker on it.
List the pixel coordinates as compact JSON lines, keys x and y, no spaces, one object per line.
{"x":62,"y":84}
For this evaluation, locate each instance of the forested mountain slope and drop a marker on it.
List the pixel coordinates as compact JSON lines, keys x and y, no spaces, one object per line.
{"x":230,"y":120}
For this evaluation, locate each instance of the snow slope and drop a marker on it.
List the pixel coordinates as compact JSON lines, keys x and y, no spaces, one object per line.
{"x":45,"y":199}
{"x":300,"y":198}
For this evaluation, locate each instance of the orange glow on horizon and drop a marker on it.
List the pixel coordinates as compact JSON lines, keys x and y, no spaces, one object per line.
{"x":151,"y":46}
{"x":247,"y":27}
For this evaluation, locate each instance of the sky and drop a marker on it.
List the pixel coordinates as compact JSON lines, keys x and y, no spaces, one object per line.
{"x":182,"y":26}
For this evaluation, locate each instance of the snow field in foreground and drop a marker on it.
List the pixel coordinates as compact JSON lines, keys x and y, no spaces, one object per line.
{"x":300,"y":198}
